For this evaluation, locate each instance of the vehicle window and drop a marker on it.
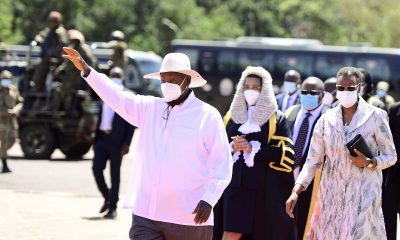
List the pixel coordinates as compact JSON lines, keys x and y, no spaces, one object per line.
{"x":193,"y":55}
{"x":132,"y":76}
{"x":207,"y":62}
{"x":226,"y":62}
{"x":255,"y":59}
{"x":328,"y":65}
{"x":147,"y":66}
{"x":377,"y":67}
{"x":299,"y":62}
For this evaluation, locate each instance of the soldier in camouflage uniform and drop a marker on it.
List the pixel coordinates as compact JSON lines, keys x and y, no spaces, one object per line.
{"x":119,"y":46}
{"x":68,"y":76}
{"x":8,"y":123}
{"x":4,"y":56}
{"x":52,"y":39}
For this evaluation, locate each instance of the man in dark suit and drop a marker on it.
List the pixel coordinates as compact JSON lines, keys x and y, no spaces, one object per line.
{"x":112,"y":141}
{"x":391,"y":179}
{"x":301,"y":120}
{"x":290,"y":95}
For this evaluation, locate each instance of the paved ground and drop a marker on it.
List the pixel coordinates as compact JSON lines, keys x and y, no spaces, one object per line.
{"x":53,"y":216}
{"x":56,"y":200}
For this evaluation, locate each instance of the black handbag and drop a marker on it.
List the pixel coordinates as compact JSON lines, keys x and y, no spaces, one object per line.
{"x":359,"y":143}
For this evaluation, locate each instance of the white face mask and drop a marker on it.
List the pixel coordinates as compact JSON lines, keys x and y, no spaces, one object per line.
{"x":251,"y":97}
{"x":289,"y":87}
{"x":347,"y":98}
{"x":171,"y":91}
{"x":327,"y":100}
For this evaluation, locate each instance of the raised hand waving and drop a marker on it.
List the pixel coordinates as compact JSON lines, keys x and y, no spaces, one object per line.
{"x":77,"y":60}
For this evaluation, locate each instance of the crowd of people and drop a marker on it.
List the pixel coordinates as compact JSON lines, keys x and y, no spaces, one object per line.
{"x":270,"y":174}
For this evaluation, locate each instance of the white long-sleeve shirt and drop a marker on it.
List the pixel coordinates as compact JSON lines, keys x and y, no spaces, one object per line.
{"x":177,"y":162}
{"x":107,"y":116}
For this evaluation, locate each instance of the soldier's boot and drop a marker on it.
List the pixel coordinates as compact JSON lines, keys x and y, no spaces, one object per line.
{"x":5,"y":166}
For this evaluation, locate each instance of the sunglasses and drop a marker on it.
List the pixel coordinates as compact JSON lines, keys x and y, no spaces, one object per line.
{"x":349,"y":88}
{"x":311,"y":92}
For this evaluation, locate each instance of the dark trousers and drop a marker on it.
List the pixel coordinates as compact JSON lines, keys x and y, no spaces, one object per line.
{"x":146,"y":229}
{"x":104,"y":150}
{"x":390,"y":205}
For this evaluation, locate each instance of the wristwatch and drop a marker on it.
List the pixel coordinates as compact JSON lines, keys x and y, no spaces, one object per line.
{"x":370,"y":164}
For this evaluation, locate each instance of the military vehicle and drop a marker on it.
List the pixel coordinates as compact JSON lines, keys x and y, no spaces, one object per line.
{"x":42,"y":131}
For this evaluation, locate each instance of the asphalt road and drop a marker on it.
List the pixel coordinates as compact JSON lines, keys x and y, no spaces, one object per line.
{"x":56,"y":174}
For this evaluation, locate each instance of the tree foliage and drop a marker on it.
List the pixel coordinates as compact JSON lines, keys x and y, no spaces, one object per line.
{"x":152,"y":24}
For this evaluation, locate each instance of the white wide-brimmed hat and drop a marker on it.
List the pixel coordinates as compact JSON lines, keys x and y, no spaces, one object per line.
{"x":178,"y":62}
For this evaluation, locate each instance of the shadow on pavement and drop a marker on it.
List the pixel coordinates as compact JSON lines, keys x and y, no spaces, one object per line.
{"x":95,"y":218}
{"x":52,"y":159}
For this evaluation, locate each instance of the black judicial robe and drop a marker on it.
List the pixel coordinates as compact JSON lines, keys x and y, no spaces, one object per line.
{"x":254,"y":201}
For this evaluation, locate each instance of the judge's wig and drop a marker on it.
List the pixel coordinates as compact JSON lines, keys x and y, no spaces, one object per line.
{"x":266,"y":104}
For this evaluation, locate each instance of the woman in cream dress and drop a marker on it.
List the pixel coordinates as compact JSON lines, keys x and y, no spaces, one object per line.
{"x":348,"y":204}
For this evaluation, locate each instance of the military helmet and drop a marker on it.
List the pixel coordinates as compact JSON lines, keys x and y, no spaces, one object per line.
{"x":117,"y":35}
{"x":383,"y":85}
{"x":74,"y":34}
{"x":5,"y":74}
{"x":3,"y":49}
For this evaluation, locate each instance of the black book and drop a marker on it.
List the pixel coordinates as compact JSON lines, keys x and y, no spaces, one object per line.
{"x":359,"y":143}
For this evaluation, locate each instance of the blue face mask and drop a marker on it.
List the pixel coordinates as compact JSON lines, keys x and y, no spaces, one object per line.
{"x":6,"y":82}
{"x":117,"y":81}
{"x":309,"y":102}
{"x":289,"y":87}
{"x":381,"y":92}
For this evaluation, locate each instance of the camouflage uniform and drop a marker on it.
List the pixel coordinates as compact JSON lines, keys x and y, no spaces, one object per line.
{"x":118,"y":57}
{"x":51,"y":43}
{"x":8,"y":122}
{"x":70,"y":80}
{"x":4,"y":56}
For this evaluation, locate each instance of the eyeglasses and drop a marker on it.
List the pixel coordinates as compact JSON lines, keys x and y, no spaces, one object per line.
{"x":252,"y":88}
{"x":349,"y":88}
{"x":311,"y":92}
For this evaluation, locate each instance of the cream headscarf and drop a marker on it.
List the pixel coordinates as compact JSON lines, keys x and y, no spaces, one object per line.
{"x":266,"y":104}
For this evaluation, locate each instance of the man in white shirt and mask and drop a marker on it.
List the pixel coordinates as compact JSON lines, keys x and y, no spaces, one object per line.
{"x":291,"y":93}
{"x":182,"y":162}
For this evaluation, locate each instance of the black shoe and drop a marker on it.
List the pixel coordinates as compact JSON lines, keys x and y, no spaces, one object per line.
{"x":6,"y":170}
{"x":112,"y":213}
{"x":104,"y":207}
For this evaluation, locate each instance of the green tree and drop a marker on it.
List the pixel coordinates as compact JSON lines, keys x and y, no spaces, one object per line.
{"x":152,"y":24}
{"x":9,"y":31}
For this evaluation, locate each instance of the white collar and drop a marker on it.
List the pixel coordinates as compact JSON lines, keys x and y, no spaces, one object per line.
{"x":249,"y":126}
{"x":185,"y":103}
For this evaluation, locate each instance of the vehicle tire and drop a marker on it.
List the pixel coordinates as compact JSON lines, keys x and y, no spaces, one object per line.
{"x":37,"y":141}
{"x":77,"y":151}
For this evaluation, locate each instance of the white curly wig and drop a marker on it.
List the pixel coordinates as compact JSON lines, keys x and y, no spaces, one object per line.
{"x":266,"y":104}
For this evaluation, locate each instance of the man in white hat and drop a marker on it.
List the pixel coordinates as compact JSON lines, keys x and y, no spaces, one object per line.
{"x":183,"y":161}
